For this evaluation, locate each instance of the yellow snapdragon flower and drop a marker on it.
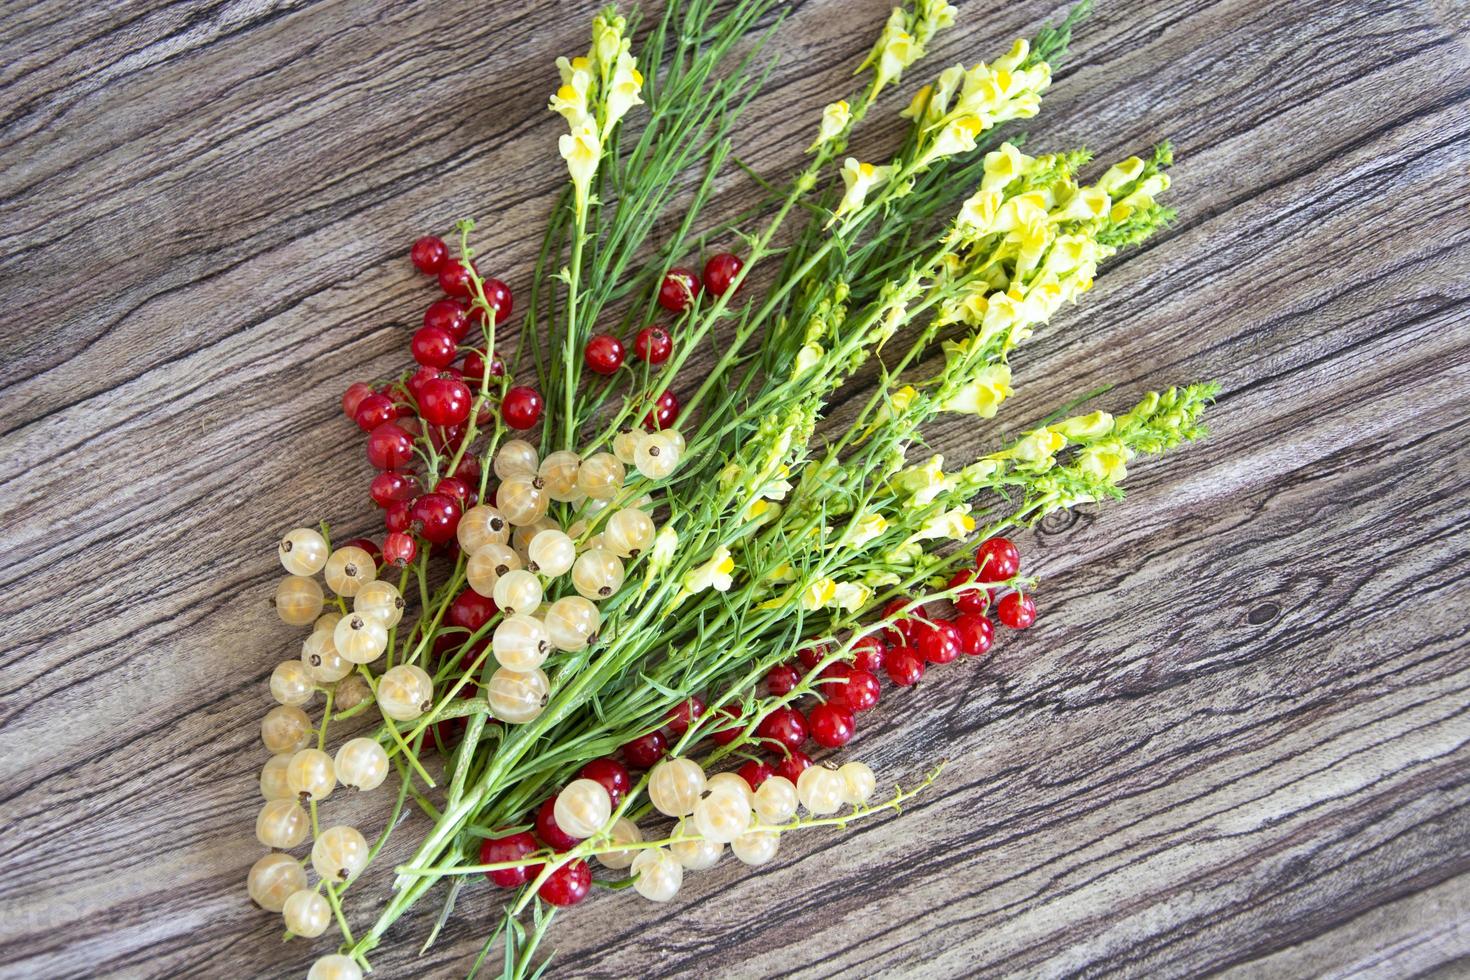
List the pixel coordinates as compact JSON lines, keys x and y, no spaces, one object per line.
{"x":1085,"y":428}
{"x":924,"y":482}
{"x":1106,"y":461}
{"x":865,"y":529}
{"x":850,"y":596}
{"x":952,"y":525}
{"x":1037,"y":449}
{"x":714,"y":574}
{"x":581,"y":149}
{"x":859,"y":178}
{"x":835,"y":118}
{"x":624,"y":91}
{"x":982,"y":394}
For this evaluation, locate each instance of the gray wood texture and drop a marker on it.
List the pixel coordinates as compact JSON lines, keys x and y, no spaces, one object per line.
{"x":1237,"y":741}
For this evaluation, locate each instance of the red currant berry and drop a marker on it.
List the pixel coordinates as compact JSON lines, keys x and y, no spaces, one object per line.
{"x":373,"y":410}
{"x":510,"y":848}
{"x":461,"y":491}
{"x":567,"y":885}
{"x":796,"y":763}
{"x":604,"y":354}
{"x":904,"y":666}
{"x":782,"y":679}
{"x":468,"y":469}
{"x":367,"y":545}
{"x":676,"y":293}
{"x":521,"y":408}
{"x":976,"y":634}
{"x":784,"y":726}
{"x":470,"y":611}
{"x":436,"y":515}
{"x":419,"y":378}
{"x":552,"y":835}
{"x":997,"y":560}
{"x":645,"y":752}
{"x":938,"y":643}
{"x":445,"y":402}
{"x":653,"y":345}
{"x":475,"y":368}
{"x":613,"y":776}
{"x":353,"y":396}
{"x":665,"y":412}
{"x":499,"y":299}
{"x":811,"y":655}
{"x":390,"y":486}
{"x":433,"y":346}
{"x":447,"y":438}
{"x":396,"y":516}
{"x":720,"y":271}
{"x":868,"y":654}
{"x":399,"y":550}
{"x":455,"y":279}
{"x":449,"y":316}
{"x":684,"y":714}
{"x":731,"y":726}
{"x":389,"y":447}
{"x":832,"y":725}
{"x":755,"y":773}
{"x":861,"y":691}
{"x":974,"y":601}
{"x":428,"y":254}
{"x":1016,"y":611}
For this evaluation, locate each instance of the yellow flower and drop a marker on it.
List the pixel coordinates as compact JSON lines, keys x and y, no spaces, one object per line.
{"x":624,"y":91}
{"x":835,"y":118}
{"x":1085,"y":428}
{"x":1003,"y":166}
{"x":957,"y":136}
{"x":983,"y":394}
{"x":807,"y":358}
{"x":713,"y":574}
{"x":851,"y":596}
{"x":761,"y":511}
{"x":865,"y":529}
{"x":954,"y":525}
{"x":570,"y":101}
{"x":1107,"y":461}
{"x":665,"y":545}
{"x":859,"y":178}
{"x":923,"y":482}
{"x":1120,"y":175}
{"x":818,"y":594}
{"x":1037,"y":449}
{"x":582,"y":149}
{"x":1012,"y":59}
{"x":919,"y":104}
{"x":1088,"y":204}
{"x":978,"y":212}
{"x":783,"y":572}
{"x":899,"y":51}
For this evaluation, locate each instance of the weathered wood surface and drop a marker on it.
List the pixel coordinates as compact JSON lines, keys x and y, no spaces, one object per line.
{"x":1237,"y":739}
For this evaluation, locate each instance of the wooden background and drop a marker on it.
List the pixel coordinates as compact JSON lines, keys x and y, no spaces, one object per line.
{"x":1237,"y":739}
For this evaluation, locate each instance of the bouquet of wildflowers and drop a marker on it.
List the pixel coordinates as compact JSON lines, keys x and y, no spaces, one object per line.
{"x":624,"y":616}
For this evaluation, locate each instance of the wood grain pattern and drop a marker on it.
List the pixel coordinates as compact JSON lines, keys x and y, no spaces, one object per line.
{"x":1239,"y":739}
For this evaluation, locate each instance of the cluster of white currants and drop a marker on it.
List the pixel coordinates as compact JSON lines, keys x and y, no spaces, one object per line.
{"x":298,"y":772}
{"x":712,"y":812}
{"x":516,"y":550}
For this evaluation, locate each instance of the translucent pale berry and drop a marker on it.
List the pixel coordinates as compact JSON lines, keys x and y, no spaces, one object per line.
{"x":307,"y":913}
{"x":518,"y":591}
{"x":487,"y":564}
{"x":273,"y":879}
{"x":572,"y":623}
{"x":655,"y":456}
{"x":303,"y":551}
{"x":628,"y":533}
{"x":282,"y":824}
{"x":674,"y":786}
{"x":405,"y":692}
{"x":291,"y":684}
{"x":481,"y":525}
{"x":756,"y":847}
{"x":311,"y":774}
{"x":360,"y":639}
{"x":361,"y":763}
{"x":623,"y":831}
{"x":694,"y":855}
{"x":551,"y":553}
{"x":285,"y":729}
{"x":339,"y":853}
{"x":323,"y":662}
{"x":597,"y":574}
{"x":520,"y":643}
{"x":517,"y":697}
{"x":517,"y":457}
{"x":821,"y":790}
{"x":350,"y":692}
{"x":348,"y":570}
{"x":273,"y":785}
{"x":298,"y":600}
{"x":335,"y":966}
{"x":583,"y":808}
{"x":522,"y":499}
{"x":380,"y":600}
{"x":858,"y":783}
{"x":658,"y":874}
{"x":724,"y":814}
{"x":601,"y":476}
{"x":776,"y":800}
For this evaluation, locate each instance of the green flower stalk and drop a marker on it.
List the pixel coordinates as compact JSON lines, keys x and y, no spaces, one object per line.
{"x":630,"y":585}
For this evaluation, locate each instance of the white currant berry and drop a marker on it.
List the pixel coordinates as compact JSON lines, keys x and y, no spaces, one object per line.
{"x":518,"y":591}
{"x":405,"y":692}
{"x":339,"y":853}
{"x":551,"y":553}
{"x":273,"y":879}
{"x":348,"y":570}
{"x":307,"y":913}
{"x":755,"y":847}
{"x":311,"y":775}
{"x":858,"y":783}
{"x":360,"y":638}
{"x":481,"y":525}
{"x":361,"y":763}
{"x":335,"y":966}
{"x":698,"y":854}
{"x":380,"y":600}
{"x":303,"y":551}
{"x":273,"y":785}
{"x":299,"y":600}
{"x":572,"y":623}
{"x":522,"y":500}
{"x":285,"y":729}
{"x":821,"y":790}
{"x":350,"y":692}
{"x":601,"y":476}
{"x":583,"y":808}
{"x":656,"y":456}
{"x":281,"y":824}
{"x":523,"y":535}
{"x":677,"y":438}
{"x":326,"y":621}
{"x":628,"y":533}
{"x":324,"y":664}
{"x":674,"y":786}
{"x":776,"y":801}
{"x":658,"y":874}
{"x":516,"y":458}
{"x":734,"y":781}
{"x":597,"y":574}
{"x":623,"y":831}
{"x":486,"y":566}
{"x":625,"y":444}
{"x":558,"y":472}
{"x":723,"y":815}
{"x":520,"y":643}
{"x":291,"y":684}
{"x":517,"y":697}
